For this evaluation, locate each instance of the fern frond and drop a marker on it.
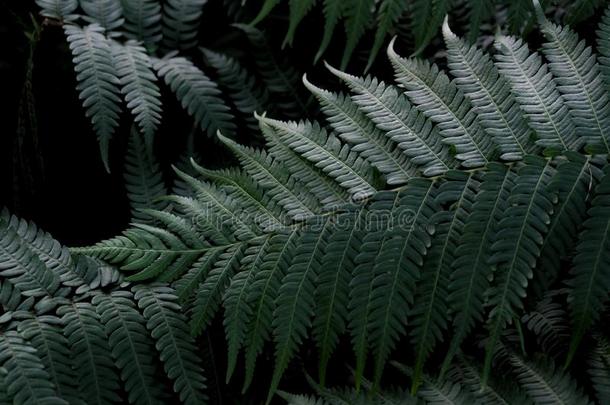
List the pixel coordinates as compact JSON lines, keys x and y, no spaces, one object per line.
{"x":470,"y":278}
{"x":431,"y":91}
{"x":333,"y":11}
{"x":181,"y":23}
{"x":143,"y":179}
{"x":130,"y":345}
{"x":516,"y":246}
{"x":328,"y":153}
{"x":58,"y":9}
{"x":298,"y":10}
{"x":357,"y":14}
{"x":295,"y":300}
{"x":197,"y":93}
{"x":45,"y":335}
{"x":428,"y":20}
{"x":391,"y":112}
{"x":603,"y":47}
{"x":27,"y":381}
{"x":590,"y":275}
{"x":537,"y":94}
{"x":22,"y":268}
{"x":108,"y":14}
{"x":575,"y":69}
{"x":98,"y":380}
{"x":490,"y":95}
{"x":387,"y":16}
{"x":98,"y":81}
{"x":297,"y":203}
{"x":139,"y":87}
{"x":428,"y":315}
{"x":247,"y":94}
{"x":549,"y":323}
{"x":580,"y":10}
{"x":170,"y":330}
{"x":356,"y":129}
{"x":143,"y":21}
{"x":544,"y":384}
{"x":280,"y":78}
{"x":599,"y":369}
{"x":261,"y":297}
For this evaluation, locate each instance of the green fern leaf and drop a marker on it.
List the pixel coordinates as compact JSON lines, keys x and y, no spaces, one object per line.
{"x":213,"y":287}
{"x":328,"y":153}
{"x":479,"y":11}
{"x":444,"y":104}
{"x":470,"y":278}
{"x":27,"y":381}
{"x":427,"y":21}
{"x":490,"y":95}
{"x":298,"y":10}
{"x":590,"y":276}
{"x":516,"y":247}
{"x":44,"y":334}
{"x":577,"y":73}
{"x":387,"y":16}
{"x":58,"y":9}
{"x":580,"y":10}
{"x":357,"y":15}
{"x":143,"y":180}
{"x":237,"y":309}
{"x":333,"y":11}
{"x":170,"y":330}
{"x":544,"y":384}
{"x":139,"y":87}
{"x":599,"y":369}
{"x":603,"y":47}
{"x":391,"y":112}
{"x":130,"y":345}
{"x":98,"y":82}
{"x":108,"y":14}
{"x":143,"y":21}
{"x":181,"y":20}
{"x":247,"y":94}
{"x":537,"y":95}
{"x":97,"y":377}
{"x":264,"y":289}
{"x":197,"y":93}
{"x":428,"y":314}
{"x":355,"y":128}
{"x":295,"y":300}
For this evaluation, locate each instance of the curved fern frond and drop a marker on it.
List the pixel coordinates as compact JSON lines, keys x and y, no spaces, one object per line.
{"x":143,"y":21}
{"x":357,"y":14}
{"x":575,"y":69}
{"x":391,"y":112}
{"x":44,"y":334}
{"x":108,"y":14}
{"x":388,"y":14}
{"x":197,"y":93}
{"x":516,"y":247}
{"x":537,"y":94}
{"x":139,"y":87}
{"x":143,"y":180}
{"x":490,"y":95}
{"x":97,"y":378}
{"x":58,"y":9}
{"x":544,"y":384}
{"x":590,"y":276}
{"x":130,"y":345}
{"x":548,"y":321}
{"x":98,"y":81}
{"x":27,"y":381}
{"x":181,"y":20}
{"x":440,"y":100}
{"x":356,"y":129}
{"x":170,"y":330}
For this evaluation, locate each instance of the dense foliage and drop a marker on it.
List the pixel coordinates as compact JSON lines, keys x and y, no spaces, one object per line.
{"x":442,"y":237}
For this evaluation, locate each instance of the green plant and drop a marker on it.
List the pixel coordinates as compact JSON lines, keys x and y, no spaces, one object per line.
{"x":488,"y":189}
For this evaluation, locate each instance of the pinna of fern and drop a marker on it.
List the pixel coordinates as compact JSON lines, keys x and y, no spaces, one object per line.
{"x":318,"y":236}
{"x":73,"y":331}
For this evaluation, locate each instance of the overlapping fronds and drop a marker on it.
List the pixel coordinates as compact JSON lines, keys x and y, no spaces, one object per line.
{"x":70,"y":327}
{"x":371,"y":230}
